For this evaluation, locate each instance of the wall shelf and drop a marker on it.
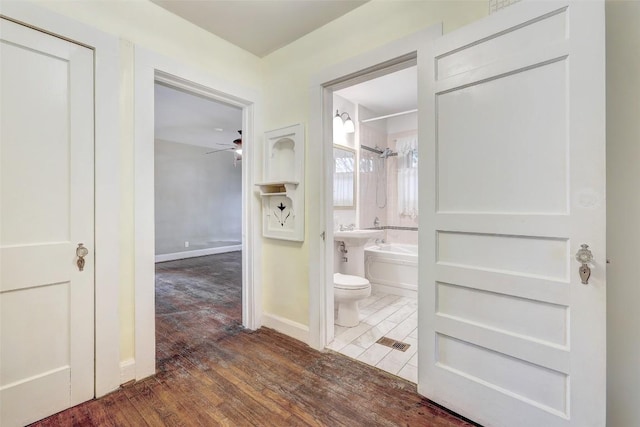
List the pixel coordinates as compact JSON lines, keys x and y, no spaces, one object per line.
{"x":276,"y":187}
{"x":282,"y":191}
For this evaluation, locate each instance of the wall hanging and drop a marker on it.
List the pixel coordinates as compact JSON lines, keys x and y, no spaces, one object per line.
{"x":282,"y":190}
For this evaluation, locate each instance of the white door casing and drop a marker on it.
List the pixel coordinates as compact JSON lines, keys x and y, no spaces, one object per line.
{"x":364,"y":66}
{"x":149,"y":68}
{"x":47,"y":208}
{"x":512,"y":183}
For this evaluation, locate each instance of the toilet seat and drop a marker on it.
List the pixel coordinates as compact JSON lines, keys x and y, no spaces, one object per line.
{"x":349,"y":282}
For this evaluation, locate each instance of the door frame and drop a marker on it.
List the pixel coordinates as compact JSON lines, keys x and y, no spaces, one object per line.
{"x":107,"y":164}
{"x":379,"y":61}
{"x":149,"y":68}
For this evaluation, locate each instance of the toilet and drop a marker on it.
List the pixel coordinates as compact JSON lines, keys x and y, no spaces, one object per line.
{"x":348,"y":290}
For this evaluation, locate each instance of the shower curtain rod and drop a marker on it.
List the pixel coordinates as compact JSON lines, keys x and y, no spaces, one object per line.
{"x":391,"y":153}
{"x":373,"y":150}
{"x":402,"y":113}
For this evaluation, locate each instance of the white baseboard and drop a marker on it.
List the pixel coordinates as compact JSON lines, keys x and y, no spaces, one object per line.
{"x":127,"y":370}
{"x":288,"y":327}
{"x":197,"y":252}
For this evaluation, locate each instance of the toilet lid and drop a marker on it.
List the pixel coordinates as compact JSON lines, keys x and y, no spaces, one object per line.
{"x":347,"y":281}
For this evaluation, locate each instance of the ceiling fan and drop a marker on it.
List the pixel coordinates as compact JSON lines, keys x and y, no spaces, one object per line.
{"x":236,"y":147}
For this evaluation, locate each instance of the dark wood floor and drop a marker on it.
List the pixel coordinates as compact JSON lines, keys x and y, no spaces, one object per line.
{"x":212,"y":372}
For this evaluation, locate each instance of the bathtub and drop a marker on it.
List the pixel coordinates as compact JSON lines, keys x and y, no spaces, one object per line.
{"x":392,"y":268}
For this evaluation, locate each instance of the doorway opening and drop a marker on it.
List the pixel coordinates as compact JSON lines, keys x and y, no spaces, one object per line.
{"x":151,"y":69}
{"x":198,"y":175}
{"x":374,"y":182}
{"x":198,"y":218}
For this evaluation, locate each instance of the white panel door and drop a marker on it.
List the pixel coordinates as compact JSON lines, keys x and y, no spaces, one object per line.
{"x":513,"y":184}
{"x":46,"y":199}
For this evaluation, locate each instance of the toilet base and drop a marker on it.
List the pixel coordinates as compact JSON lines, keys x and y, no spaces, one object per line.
{"x":348,"y":314}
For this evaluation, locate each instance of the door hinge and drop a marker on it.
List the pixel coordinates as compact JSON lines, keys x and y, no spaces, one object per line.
{"x":323,"y":235}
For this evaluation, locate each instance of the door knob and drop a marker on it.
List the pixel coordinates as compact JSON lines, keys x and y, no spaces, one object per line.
{"x":81,"y":252}
{"x":584,"y":257}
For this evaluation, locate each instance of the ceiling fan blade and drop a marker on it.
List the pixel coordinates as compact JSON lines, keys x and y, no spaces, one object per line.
{"x":217,"y":151}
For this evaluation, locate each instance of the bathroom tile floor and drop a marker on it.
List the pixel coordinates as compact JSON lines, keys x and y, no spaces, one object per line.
{"x":383,"y":315}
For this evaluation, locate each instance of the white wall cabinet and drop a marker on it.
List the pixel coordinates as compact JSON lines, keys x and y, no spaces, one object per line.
{"x":282,"y":190}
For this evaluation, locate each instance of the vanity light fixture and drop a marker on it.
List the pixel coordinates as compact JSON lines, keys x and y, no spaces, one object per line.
{"x":340,"y":123}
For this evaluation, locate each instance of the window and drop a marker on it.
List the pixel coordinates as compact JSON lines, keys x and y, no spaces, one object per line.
{"x":408,"y":176}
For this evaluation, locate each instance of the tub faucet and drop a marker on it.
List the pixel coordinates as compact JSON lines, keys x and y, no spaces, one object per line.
{"x":349,"y":227}
{"x":380,"y":241}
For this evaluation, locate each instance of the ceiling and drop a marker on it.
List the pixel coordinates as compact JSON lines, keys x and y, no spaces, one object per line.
{"x":389,"y":94}
{"x":186,"y":118}
{"x":260,"y":26}
{"x":191,"y":119}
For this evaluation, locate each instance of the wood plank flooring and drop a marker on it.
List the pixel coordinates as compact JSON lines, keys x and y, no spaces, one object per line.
{"x":213,"y":372}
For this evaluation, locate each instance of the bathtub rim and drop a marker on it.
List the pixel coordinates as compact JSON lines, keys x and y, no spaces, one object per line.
{"x":377,"y":248}
{"x":399,"y":287}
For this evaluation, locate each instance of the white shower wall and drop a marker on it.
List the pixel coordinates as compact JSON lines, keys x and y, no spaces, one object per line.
{"x":384,"y":133}
{"x":372,"y":200}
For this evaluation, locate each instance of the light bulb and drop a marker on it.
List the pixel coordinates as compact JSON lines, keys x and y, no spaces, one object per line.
{"x":348,"y":125}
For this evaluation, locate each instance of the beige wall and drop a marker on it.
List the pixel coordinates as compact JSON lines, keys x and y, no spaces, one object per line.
{"x":287,"y":78}
{"x":623,"y":213}
{"x":142,"y":23}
